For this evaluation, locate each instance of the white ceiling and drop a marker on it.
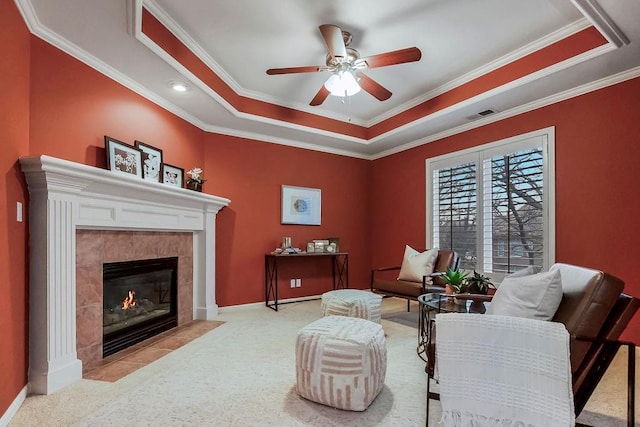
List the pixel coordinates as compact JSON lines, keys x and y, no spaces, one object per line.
{"x":240,"y":39}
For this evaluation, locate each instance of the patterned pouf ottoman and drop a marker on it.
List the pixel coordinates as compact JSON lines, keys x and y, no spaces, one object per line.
{"x":341,"y":362}
{"x":352,"y":303}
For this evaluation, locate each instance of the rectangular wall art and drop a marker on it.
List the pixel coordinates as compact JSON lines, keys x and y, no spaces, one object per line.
{"x":300,"y":205}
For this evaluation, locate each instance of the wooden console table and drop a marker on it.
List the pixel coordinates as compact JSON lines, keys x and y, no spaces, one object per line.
{"x":339,"y":270}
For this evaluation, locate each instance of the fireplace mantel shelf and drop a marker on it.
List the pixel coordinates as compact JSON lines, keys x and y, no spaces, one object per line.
{"x":66,"y":196}
{"x":109,"y":199}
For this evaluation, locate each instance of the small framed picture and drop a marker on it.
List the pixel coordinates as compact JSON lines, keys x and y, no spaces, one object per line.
{"x":301,"y":205}
{"x":151,"y":161}
{"x":122,"y":157}
{"x":172,"y":175}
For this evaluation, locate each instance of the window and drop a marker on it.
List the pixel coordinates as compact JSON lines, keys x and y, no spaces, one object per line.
{"x":493,"y":204}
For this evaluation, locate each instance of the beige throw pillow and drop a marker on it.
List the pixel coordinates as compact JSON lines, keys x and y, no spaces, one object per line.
{"x":417,"y":264}
{"x":536,"y":296}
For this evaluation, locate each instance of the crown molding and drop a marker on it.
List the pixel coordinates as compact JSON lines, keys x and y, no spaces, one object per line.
{"x":532,"y":47}
{"x":592,"y":10}
{"x":534,"y":105}
{"x":504,"y":88}
{"x":284,"y":141}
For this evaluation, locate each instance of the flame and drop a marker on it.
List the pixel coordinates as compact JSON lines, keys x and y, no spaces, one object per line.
{"x":128,"y":301}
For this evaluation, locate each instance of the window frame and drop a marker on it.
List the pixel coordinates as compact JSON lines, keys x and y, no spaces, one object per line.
{"x":543,"y":137}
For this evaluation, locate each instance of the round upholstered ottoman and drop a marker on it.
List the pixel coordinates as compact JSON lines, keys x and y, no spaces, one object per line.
{"x":352,"y":303}
{"x":341,"y":362}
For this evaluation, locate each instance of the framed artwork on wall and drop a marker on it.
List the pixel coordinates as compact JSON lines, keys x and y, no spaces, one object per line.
{"x":301,"y":205}
{"x":151,"y":161}
{"x":122,"y":157}
{"x":172,"y":175}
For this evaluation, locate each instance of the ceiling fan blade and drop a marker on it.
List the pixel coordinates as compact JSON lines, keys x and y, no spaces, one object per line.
{"x":322,"y":94}
{"x":401,"y":56}
{"x":332,"y":36}
{"x":371,"y":86}
{"x":293,"y":70}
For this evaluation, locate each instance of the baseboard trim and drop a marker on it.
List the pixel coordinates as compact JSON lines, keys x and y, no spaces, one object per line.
{"x":13,"y":408}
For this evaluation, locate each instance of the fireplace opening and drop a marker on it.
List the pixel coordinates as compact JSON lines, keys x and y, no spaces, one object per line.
{"x":139,"y":301}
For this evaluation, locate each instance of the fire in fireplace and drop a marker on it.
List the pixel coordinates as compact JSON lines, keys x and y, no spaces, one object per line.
{"x":139,"y":301}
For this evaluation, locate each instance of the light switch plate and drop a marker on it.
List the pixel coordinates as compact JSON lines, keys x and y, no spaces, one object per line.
{"x":19,"y":212}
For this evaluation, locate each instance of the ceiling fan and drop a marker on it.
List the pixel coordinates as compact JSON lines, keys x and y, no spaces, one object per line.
{"x":345,"y":65}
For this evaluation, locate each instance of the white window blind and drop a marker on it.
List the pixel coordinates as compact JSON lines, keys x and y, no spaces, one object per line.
{"x":493,"y":204}
{"x":455,"y":211}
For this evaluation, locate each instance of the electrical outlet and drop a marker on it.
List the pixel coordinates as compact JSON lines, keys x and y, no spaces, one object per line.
{"x":298,"y":283}
{"x":293,"y":283}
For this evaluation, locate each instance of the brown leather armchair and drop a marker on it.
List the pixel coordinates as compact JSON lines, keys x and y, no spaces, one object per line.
{"x":595,"y":312}
{"x":384,"y":282}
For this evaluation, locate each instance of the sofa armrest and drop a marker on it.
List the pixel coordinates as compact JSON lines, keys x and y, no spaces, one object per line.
{"x":379,"y":270}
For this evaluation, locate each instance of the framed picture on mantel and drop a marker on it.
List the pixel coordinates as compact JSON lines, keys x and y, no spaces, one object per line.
{"x":151,"y":161}
{"x":172,"y":175}
{"x":122,"y":157}
{"x":301,"y":205}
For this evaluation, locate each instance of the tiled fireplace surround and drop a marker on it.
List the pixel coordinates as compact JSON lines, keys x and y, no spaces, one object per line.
{"x":83,"y":214}
{"x":96,"y":247}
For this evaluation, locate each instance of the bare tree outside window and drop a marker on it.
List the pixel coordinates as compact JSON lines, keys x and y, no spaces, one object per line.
{"x":517,"y":210}
{"x":491,"y":211}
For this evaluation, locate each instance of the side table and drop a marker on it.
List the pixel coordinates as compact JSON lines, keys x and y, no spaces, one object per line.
{"x":339,"y":273}
{"x":443,"y":303}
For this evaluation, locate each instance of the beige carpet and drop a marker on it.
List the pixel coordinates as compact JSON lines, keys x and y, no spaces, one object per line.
{"x":243,"y":374}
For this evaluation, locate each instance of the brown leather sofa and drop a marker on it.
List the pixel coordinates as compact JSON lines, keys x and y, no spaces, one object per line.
{"x":384,"y":280}
{"x":595,"y":312}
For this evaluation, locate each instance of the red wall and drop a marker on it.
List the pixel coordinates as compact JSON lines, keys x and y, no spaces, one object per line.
{"x":14,"y":126}
{"x":74,"y":106}
{"x":251,"y":173}
{"x":597,"y":191}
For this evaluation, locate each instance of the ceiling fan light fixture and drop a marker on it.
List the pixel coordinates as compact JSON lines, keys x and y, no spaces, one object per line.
{"x":342,"y":83}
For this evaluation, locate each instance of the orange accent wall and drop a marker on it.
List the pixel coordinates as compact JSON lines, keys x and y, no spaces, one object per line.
{"x":73,"y":107}
{"x":251,"y":173}
{"x":597,"y":191}
{"x":14,"y":122}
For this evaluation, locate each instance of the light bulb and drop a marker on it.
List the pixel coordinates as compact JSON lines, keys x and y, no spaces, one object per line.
{"x":342,"y":83}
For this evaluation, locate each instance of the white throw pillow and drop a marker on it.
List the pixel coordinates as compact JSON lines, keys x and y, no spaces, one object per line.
{"x":417,"y":264}
{"x":536,"y":296}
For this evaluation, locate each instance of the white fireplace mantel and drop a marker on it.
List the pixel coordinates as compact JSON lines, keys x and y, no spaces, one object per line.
{"x":65,"y":196}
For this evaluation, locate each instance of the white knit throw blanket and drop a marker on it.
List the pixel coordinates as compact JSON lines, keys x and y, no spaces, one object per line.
{"x":503,"y":371}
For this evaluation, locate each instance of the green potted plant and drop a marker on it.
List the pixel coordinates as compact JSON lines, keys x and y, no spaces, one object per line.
{"x":454,"y":279}
{"x":477,"y":284}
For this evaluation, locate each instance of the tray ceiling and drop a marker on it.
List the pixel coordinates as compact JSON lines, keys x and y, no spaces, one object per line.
{"x":508,"y":56}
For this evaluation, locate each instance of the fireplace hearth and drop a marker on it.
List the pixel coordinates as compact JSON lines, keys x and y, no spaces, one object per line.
{"x":139,"y":301}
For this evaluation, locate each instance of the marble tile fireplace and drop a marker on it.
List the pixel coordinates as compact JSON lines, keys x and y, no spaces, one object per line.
{"x":81,"y":217}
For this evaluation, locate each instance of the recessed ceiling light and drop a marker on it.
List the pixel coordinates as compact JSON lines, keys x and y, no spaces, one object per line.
{"x":179,"y":86}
